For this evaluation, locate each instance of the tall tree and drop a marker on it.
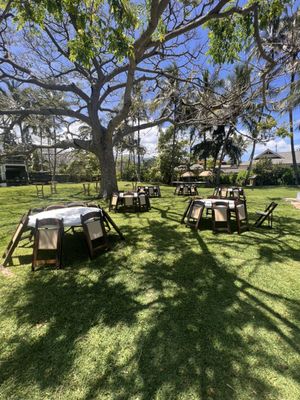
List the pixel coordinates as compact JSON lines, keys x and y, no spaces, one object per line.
{"x":94,"y":52}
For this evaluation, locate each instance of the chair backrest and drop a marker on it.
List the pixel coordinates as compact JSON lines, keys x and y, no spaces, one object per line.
{"x":142,"y":199}
{"x":48,"y":233}
{"x":220,"y":211}
{"x":196,"y":208}
{"x":151,"y":190}
{"x":128,"y":200}
{"x":223,"y":192}
{"x":185,"y":189}
{"x":93,"y":225}
{"x":271,"y":207}
{"x":241,"y":211}
{"x":114,"y":199}
{"x":236,"y":193}
{"x":55,"y":207}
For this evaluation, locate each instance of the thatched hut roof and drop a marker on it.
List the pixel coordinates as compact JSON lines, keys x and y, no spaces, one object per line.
{"x":188,"y":174}
{"x":206,"y":174}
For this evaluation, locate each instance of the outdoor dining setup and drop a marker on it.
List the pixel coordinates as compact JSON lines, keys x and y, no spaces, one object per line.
{"x":150,"y":191}
{"x":46,"y":229}
{"x":223,"y":205}
{"x":129,"y":201}
{"x":186,"y":190}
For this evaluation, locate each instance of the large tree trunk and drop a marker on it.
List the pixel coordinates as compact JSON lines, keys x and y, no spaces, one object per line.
{"x":104,"y":152}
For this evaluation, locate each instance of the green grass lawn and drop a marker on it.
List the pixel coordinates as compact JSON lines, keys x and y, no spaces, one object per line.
{"x":169,"y":314}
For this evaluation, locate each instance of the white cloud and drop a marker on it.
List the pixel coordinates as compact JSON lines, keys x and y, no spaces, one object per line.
{"x":149,"y":139}
{"x":278,"y":145}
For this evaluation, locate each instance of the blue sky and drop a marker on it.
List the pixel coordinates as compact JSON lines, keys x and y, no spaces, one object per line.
{"x":150,"y":136}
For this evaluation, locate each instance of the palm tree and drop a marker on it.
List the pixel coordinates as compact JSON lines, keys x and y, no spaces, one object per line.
{"x":283,"y":37}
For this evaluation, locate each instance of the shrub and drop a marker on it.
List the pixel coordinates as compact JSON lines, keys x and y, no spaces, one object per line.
{"x":269,"y":174}
{"x":241,"y":177}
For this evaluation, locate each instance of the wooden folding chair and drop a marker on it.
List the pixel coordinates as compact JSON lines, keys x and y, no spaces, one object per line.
{"x":94,"y":231}
{"x":241,"y":216}
{"x":221,"y":217}
{"x":129,"y":201}
{"x":114,"y":202}
{"x":177,"y":189}
{"x":195,"y":214}
{"x":143,"y":202}
{"x":186,"y":211}
{"x":194,"y":191}
{"x":48,"y":236}
{"x":156,"y":191}
{"x":40,"y":190}
{"x":17,"y":236}
{"x":266,"y":215}
{"x":235,"y":194}
{"x":223,"y":193}
{"x":151,"y":191}
{"x":186,"y":190}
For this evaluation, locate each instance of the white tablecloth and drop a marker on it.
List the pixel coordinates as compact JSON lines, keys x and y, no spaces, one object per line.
{"x":134,"y":194}
{"x":70,"y":215}
{"x":208,"y":202}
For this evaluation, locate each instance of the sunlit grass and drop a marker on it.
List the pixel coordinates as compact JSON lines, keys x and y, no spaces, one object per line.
{"x":169,"y":314}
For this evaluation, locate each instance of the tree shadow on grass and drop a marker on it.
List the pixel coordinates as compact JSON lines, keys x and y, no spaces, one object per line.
{"x":203,"y":338}
{"x":201,"y":327}
{"x":59,"y":309}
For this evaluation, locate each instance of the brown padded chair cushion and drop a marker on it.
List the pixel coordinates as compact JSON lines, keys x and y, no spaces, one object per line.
{"x":94,"y":228}
{"x":128,"y":200}
{"x":142,"y":200}
{"x":241,"y":211}
{"x":223,"y":192}
{"x":195,"y":212}
{"x":48,"y":238}
{"x":114,"y":200}
{"x":221,"y":214}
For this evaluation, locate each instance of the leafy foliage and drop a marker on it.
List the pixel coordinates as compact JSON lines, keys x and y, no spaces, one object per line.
{"x":170,"y":154}
{"x":91,"y":29}
{"x":228,"y":36}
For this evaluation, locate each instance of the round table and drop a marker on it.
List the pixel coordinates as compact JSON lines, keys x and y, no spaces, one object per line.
{"x":70,"y":215}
